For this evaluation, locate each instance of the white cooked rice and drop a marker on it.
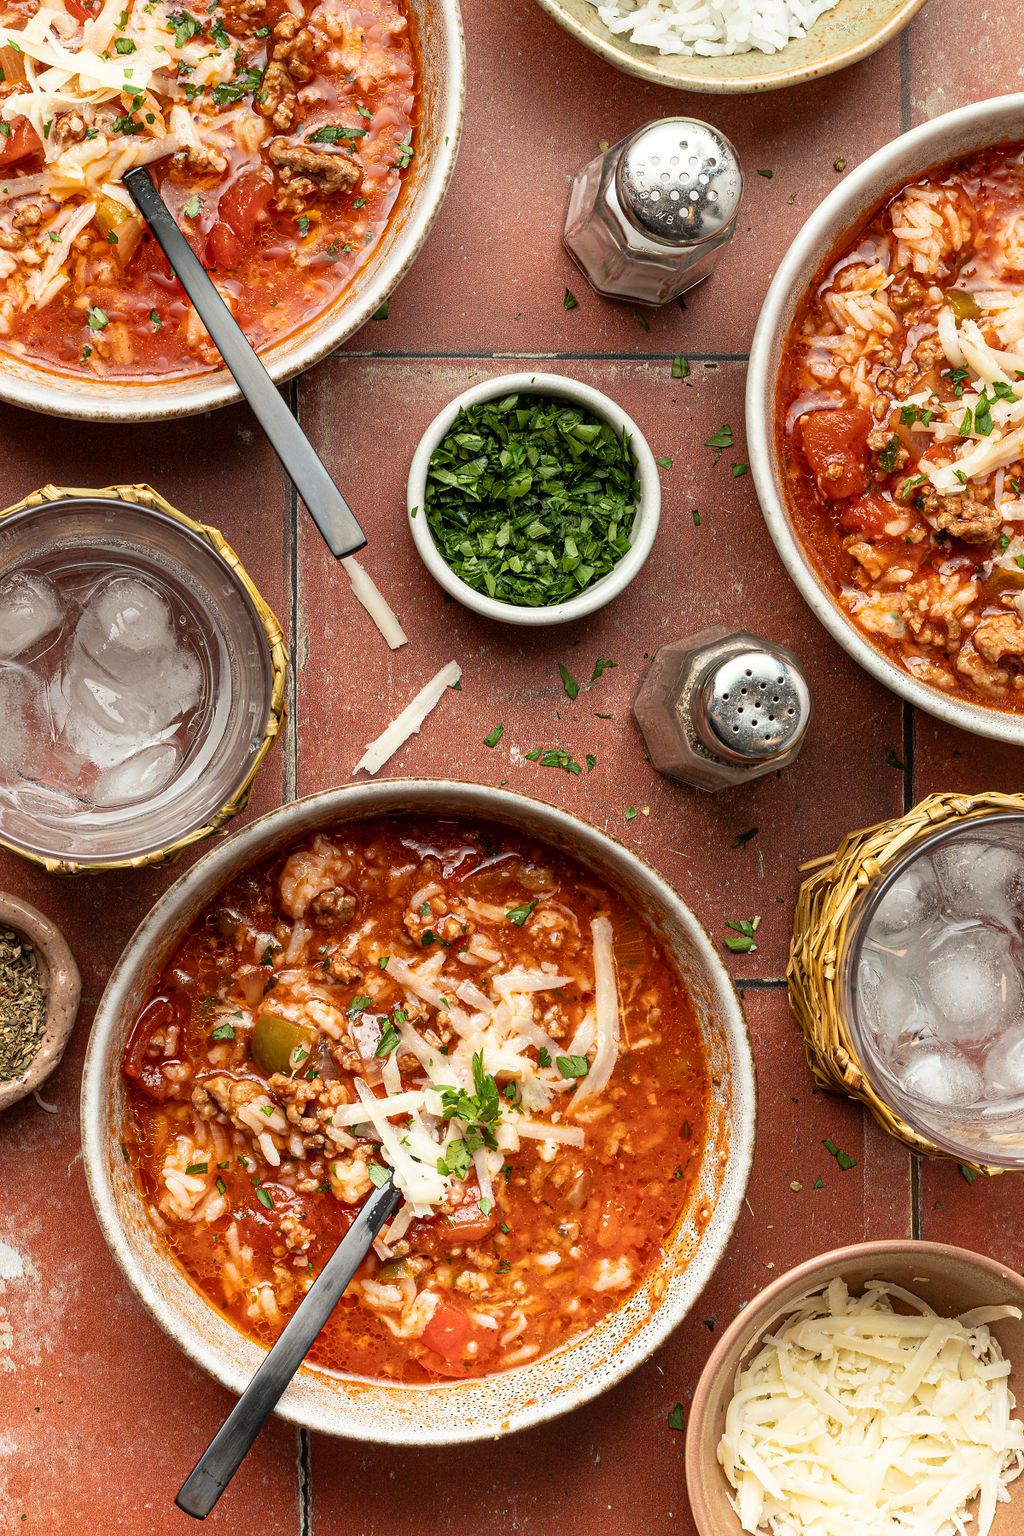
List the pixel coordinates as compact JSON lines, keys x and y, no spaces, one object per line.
{"x":711,"y":27}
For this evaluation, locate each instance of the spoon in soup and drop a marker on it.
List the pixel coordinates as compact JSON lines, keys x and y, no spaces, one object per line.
{"x":232,"y":1442}
{"x":327,"y":506}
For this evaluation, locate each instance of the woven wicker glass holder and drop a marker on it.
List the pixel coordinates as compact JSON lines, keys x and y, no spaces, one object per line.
{"x":820,"y":924}
{"x":145,"y":496}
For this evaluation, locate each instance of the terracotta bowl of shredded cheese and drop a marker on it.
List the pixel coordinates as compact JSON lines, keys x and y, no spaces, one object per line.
{"x":870,"y":1390}
{"x":419,"y":1368}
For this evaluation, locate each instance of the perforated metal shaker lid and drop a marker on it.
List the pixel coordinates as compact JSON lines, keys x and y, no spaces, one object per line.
{"x":752,"y":706}
{"x":679,"y":180}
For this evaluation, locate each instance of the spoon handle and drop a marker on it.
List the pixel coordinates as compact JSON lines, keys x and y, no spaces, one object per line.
{"x":328,"y":507}
{"x":226,"y":1451}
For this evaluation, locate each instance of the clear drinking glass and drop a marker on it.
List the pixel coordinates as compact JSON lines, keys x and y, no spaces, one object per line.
{"x":931,"y":983}
{"x":221,"y":647}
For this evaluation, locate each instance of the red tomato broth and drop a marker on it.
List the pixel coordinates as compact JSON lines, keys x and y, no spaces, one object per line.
{"x":278,"y":268}
{"x":872,"y":533}
{"x":606,"y":1210}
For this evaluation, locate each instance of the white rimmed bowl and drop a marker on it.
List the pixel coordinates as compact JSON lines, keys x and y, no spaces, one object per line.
{"x":838,"y":38}
{"x":645,"y":524}
{"x":450,"y":1412}
{"x":443,"y":58}
{"x":946,"y":138}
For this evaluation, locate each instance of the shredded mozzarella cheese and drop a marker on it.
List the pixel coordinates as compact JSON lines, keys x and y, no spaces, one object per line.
{"x":856,"y":1420}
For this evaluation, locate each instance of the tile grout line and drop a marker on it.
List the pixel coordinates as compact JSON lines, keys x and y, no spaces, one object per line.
{"x":305,"y":1483}
{"x":758,"y":983}
{"x":582,"y":357}
{"x":908,"y":758}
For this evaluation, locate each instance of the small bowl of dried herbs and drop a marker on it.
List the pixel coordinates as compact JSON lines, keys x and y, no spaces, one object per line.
{"x":39,"y":992}
{"x":533,"y":499}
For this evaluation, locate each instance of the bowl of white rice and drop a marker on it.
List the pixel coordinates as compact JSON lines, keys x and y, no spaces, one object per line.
{"x":732,"y":45}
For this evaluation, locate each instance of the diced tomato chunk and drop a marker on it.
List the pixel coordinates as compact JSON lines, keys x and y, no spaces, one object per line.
{"x":245,"y":202}
{"x":82,"y":10}
{"x":450,"y":1332}
{"x":836,"y":445}
{"x":223,"y":247}
{"x":138,"y":1064}
{"x":868,"y":514}
{"x":23,"y":141}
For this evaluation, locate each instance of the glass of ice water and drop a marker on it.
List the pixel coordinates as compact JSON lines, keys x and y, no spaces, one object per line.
{"x":136,"y":680}
{"x":933,"y":984}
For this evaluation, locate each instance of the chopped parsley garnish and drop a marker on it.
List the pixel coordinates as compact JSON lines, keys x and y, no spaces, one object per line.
{"x":192,"y":207}
{"x":957,"y":378}
{"x":570,"y":301}
{"x":267,"y":957}
{"x":124,"y":45}
{"x":911,"y":413}
{"x":111,"y":237}
{"x":405,"y":154}
{"x":741,"y":942}
{"x":303,"y":222}
{"x":457,"y":1161}
{"x":223,"y":1032}
{"x":887,"y":457}
{"x":358,"y":1004}
{"x":1004,"y":543}
{"x":243,"y":84}
{"x":601,"y":665}
{"x":495,"y":736}
{"x":696,"y":517}
{"x":544,"y":1056}
{"x":185,"y":26}
{"x":96,"y":319}
{"x":844,"y":1159}
{"x":383,"y":962}
{"x":676,"y":1420}
{"x":218,"y":35}
{"x":479,"y":1111}
{"x":554,"y":757}
{"x":531,"y":499}
{"x":719,"y":440}
{"x":197,"y":1168}
{"x":221,"y":1186}
{"x":378,"y":1176}
{"x":388,"y":1041}
{"x":894,"y":762}
{"x":664,"y":462}
{"x":643,"y":321}
{"x":680,"y":367}
{"x":519,"y":915}
{"x":970,"y":1174}
{"x":743,"y":838}
{"x":264,"y":1199}
{"x":486,"y":1206}
{"x":569,"y":683}
{"x":332,"y":133}
{"x":572,"y":1066}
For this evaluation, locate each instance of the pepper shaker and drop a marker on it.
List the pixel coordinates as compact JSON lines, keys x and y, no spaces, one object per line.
{"x":648,"y":219}
{"x":722,"y":707}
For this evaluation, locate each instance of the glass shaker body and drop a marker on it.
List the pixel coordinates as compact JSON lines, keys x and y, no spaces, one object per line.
{"x":722,"y":707}
{"x":648,"y":218}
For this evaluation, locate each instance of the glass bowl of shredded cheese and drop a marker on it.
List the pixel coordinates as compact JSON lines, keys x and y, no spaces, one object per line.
{"x":868,"y":1392}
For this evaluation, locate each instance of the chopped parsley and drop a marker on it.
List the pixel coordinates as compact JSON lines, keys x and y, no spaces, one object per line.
{"x":676,"y":1419}
{"x":333,"y":133}
{"x":388,"y":1041}
{"x":572,"y":1066}
{"x":378,"y":1176}
{"x":185,"y":27}
{"x":680,"y":367}
{"x":479,"y":1111}
{"x":192,"y":207}
{"x":601,"y":665}
{"x":569,"y":683}
{"x":96,"y":319}
{"x":970,"y":1174}
{"x":124,"y":45}
{"x":544,"y":1056}
{"x":741,"y":941}
{"x":844,"y":1159}
{"x":664,"y":462}
{"x":223,"y":1032}
{"x":358,"y":1004}
{"x":570,"y":301}
{"x":887,"y":457}
{"x":495,"y":736}
{"x":264,"y":1199}
{"x":719,"y":440}
{"x":197,"y":1168}
{"x":531,"y":499}
{"x":519,"y":915}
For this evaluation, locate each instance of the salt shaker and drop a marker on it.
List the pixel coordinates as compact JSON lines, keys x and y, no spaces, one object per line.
{"x":722,"y":707}
{"x":648,"y":218}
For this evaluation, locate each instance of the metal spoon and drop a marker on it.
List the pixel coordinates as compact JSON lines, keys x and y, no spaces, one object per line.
{"x":229,"y":1446}
{"x":327,"y":506}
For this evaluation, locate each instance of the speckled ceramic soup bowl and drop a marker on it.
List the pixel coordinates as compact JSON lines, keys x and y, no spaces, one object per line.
{"x":946,"y":138}
{"x":447,"y":1412}
{"x":439,"y":30}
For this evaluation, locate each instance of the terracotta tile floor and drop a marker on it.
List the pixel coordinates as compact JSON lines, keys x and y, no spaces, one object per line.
{"x":100,"y":1417}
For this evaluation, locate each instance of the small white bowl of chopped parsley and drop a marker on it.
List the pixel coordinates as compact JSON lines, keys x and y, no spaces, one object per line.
{"x":533,"y":499}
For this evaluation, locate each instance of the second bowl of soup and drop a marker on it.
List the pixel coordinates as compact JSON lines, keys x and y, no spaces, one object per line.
{"x":885,"y":415}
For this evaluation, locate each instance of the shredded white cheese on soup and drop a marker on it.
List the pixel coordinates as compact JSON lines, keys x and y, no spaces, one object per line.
{"x":857,"y":1420}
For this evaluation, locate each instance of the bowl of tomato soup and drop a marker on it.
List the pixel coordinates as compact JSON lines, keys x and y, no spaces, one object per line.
{"x":304,"y":148}
{"x":884,"y":401}
{"x":477,"y":992}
